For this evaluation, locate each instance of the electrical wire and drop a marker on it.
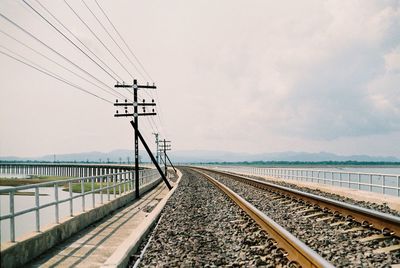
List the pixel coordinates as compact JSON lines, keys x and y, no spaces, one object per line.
{"x":151,"y":94}
{"x":75,"y":45}
{"x":53,"y":50}
{"x":58,"y":64}
{"x":49,"y":73}
{"x":159,"y":105}
{"x":77,"y":38}
{"x":123,"y":40}
{"x":112,"y":38}
{"x":149,"y":120}
{"x":98,"y":39}
{"x":137,"y":59}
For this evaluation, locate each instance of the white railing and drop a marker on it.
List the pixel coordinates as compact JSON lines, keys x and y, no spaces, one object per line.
{"x":373,"y":182}
{"x":92,"y":192}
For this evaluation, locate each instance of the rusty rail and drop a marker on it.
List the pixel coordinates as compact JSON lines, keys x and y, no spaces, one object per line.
{"x":378,"y":220}
{"x":297,"y":251}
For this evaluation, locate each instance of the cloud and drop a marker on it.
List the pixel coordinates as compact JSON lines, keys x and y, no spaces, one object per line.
{"x":233,"y":75}
{"x":324,"y":74}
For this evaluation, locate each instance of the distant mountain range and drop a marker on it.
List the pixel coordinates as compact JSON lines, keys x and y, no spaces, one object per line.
{"x":196,"y":156}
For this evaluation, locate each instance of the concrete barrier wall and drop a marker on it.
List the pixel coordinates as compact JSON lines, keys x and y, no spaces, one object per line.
{"x":121,"y":256}
{"x":19,"y":253}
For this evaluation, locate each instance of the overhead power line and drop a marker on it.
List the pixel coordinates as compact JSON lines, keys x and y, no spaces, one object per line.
{"x":41,"y":12}
{"x":49,"y":73}
{"x":66,"y":37}
{"x":98,"y":39}
{"x":58,"y":64}
{"x":53,"y":50}
{"x":123,"y":40}
{"x":112,"y":38}
{"x":77,"y":38}
{"x":150,"y":120}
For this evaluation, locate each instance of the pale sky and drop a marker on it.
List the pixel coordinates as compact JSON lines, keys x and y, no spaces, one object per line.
{"x":239,"y":76}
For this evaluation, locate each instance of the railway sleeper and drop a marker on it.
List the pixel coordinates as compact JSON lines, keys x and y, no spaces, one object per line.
{"x":387,"y":250}
{"x":373,"y":237}
{"x":306,"y":210}
{"x":352,"y":230}
{"x":314,"y":215}
{"x":325,"y":218}
{"x":339,"y":223}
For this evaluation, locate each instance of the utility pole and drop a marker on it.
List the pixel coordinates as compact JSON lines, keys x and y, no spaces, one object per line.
{"x":165,"y":146}
{"x":157,"y":153}
{"x":135,"y":124}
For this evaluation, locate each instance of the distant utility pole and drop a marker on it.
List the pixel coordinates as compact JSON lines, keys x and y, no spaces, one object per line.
{"x":166,"y":146}
{"x":135,"y":125}
{"x":157,"y":153}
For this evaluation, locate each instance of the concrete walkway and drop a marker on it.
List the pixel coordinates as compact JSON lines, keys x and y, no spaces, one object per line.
{"x":94,"y":245}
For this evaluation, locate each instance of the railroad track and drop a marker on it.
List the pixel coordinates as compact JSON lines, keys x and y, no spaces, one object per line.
{"x":202,"y":227}
{"x":366,"y":237}
{"x":296,"y":250}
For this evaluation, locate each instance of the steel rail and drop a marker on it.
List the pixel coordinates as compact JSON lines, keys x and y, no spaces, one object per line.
{"x":378,"y":220}
{"x":297,"y":251}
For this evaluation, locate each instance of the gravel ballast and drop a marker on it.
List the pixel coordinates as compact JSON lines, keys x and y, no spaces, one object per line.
{"x":341,"y":249}
{"x":384,"y":208}
{"x":201,"y":227}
